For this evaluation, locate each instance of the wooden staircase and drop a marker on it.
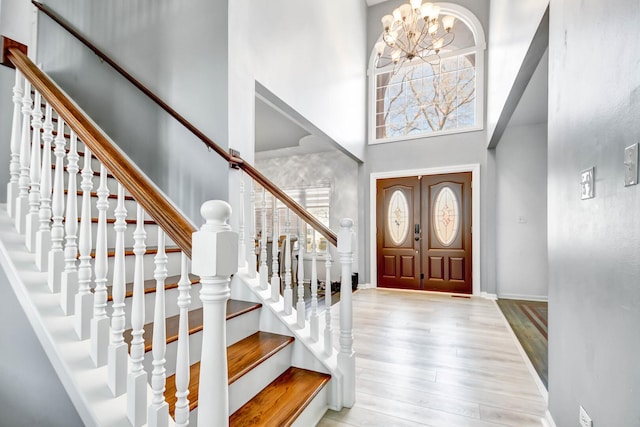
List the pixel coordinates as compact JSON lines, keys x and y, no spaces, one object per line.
{"x":287,"y":390}
{"x":68,"y":206}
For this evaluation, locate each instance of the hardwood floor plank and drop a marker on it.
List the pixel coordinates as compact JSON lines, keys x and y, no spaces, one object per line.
{"x":430,"y":359}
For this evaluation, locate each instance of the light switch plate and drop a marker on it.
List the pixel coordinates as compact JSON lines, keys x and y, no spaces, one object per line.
{"x":585,"y":419}
{"x":631,"y":165}
{"x":586,"y":183}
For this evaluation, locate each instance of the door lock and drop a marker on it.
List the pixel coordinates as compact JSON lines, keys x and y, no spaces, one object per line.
{"x":416,"y":232}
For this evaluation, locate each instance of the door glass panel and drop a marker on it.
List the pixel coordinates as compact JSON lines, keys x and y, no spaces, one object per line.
{"x":398,"y":217}
{"x":446,"y":216}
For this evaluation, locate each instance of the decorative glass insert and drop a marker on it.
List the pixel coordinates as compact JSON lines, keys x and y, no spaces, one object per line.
{"x":398,"y":217}
{"x":446,"y":216}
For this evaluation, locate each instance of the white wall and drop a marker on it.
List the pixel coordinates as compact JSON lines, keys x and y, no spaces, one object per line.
{"x":512,"y":25}
{"x":312,"y":55}
{"x":521,"y":223}
{"x":15,"y":20}
{"x":30,"y":392}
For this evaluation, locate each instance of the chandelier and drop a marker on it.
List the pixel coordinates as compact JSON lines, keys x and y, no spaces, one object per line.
{"x":414,"y":30}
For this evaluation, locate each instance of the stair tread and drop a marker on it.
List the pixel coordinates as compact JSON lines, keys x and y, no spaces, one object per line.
{"x":234,"y":308}
{"x":170,"y":282}
{"x":150,"y":250}
{"x":95,"y":172}
{"x":282,"y":401}
{"x":241,"y":358}
{"x":95,"y":194}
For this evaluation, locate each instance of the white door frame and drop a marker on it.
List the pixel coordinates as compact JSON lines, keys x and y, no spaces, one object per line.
{"x":474,"y":168}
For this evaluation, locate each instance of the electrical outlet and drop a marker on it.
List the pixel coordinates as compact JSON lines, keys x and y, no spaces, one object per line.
{"x":585,"y":419}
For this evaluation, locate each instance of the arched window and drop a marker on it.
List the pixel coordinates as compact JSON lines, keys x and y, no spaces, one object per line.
{"x":431,"y":96}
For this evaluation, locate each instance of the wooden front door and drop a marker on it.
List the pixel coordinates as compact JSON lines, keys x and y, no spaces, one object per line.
{"x":424,"y":232}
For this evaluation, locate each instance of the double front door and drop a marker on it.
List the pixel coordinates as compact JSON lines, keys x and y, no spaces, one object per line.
{"x":424,"y":232}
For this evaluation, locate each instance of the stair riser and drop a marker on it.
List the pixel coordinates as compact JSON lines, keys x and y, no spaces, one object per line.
{"x":173,"y":266}
{"x":242,"y":326}
{"x":195,"y":352}
{"x":112,"y":184}
{"x":130,"y":206}
{"x":237,"y":329}
{"x":315,"y":410}
{"x":171,"y":304}
{"x":250,"y":384}
{"x":150,"y":229}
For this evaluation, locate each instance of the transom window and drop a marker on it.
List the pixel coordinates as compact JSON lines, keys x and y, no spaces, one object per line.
{"x":435,"y":95}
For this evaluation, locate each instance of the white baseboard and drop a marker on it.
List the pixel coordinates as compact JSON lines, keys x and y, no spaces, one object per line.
{"x":487,"y":295}
{"x":541,"y":298}
{"x":547,"y":421}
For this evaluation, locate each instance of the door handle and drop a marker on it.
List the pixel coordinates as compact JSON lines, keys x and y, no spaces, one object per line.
{"x":416,"y":231}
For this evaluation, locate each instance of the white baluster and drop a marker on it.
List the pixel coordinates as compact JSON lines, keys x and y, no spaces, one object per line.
{"x":84,"y":298}
{"x":182,"y":357}
{"x":35,"y":166}
{"x":43,"y":235}
{"x":264,"y":268}
{"x":300,"y":306}
{"x":159,"y":409}
{"x":16,"y":129}
{"x":214,"y":253}
{"x":328,"y":333}
{"x":118,"y":357}
{"x":314,"y":321}
{"x":275,"y":277}
{"x":100,"y":321}
{"x":22,"y":204}
{"x":137,"y":380}
{"x":288,"y":291}
{"x":253,"y":255}
{"x":346,"y":356}
{"x":69,"y":280}
{"x":56,"y":255}
{"x":242,"y":246}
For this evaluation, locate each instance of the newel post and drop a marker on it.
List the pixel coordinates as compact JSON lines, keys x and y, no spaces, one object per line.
{"x":214,"y":259}
{"x":346,"y":356}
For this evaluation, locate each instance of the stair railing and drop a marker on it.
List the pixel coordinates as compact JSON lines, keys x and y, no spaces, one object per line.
{"x":68,"y":253}
{"x":258,"y":179}
{"x":67,"y":248}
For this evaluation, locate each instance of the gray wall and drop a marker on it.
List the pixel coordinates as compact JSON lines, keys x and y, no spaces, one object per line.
{"x":594,"y":244}
{"x":180,"y":53}
{"x":448,"y":150}
{"x":521,"y":222}
{"x":30,"y":392}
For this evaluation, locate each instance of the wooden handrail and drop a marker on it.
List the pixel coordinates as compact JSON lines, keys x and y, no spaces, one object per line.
{"x":235,"y":161}
{"x":133,"y":179}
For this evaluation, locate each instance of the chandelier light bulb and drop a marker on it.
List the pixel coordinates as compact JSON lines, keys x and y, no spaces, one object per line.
{"x":395,"y":56}
{"x":405,"y":11}
{"x":380,"y":48}
{"x":396,"y":15}
{"x":415,"y":4}
{"x":447,"y":22}
{"x":435,"y":12}
{"x":427,"y":10}
{"x":387,"y":22}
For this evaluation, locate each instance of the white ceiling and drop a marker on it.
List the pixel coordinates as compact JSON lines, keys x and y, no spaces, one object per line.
{"x":274,"y":130}
{"x":372,"y":2}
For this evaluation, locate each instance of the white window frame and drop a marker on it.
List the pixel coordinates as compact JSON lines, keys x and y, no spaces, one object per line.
{"x":463,"y":14}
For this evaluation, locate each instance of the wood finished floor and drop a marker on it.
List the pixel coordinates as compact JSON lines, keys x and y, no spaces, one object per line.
{"x":528,"y":319}
{"x":425,"y":359}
